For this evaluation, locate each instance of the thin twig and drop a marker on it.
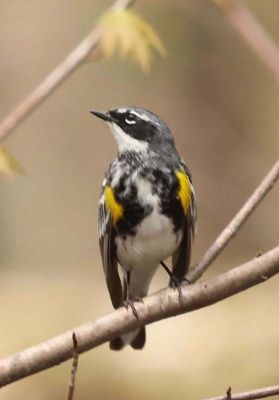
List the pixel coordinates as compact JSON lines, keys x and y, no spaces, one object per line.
{"x":229,"y":393}
{"x":71,"y":385}
{"x":158,"y":306}
{"x":233,"y":227}
{"x":252,"y":32}
{"x":251,"y":395}
{"x":76,"y":57}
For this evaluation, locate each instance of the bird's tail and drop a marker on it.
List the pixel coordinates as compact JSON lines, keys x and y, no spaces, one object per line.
{"x":135,"y":339}
{"x":138,"y":288}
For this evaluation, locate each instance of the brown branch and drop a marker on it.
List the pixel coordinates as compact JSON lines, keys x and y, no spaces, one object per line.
{"x":252,"y":32}
{"x":251,"y":395}
{"x":76,"y":57}
{"x":233,"y":227}
{"x":71,"y":385}
{"x":158,"y":306}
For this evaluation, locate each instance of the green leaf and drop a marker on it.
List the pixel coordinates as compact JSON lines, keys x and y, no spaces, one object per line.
{"x":8,"y":163}
{"x":132,"y":36}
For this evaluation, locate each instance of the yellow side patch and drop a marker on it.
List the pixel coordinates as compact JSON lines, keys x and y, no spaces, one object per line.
{"x":184,"y":192}
{"x":112,"y":205}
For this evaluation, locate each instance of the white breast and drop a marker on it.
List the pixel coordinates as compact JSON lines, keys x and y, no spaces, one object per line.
{"x":154,"y":239}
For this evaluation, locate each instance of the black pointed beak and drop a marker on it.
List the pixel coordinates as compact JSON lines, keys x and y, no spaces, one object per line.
{"x":105,"y":115}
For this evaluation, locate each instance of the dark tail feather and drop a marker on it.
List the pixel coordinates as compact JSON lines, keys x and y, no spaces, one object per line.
{"x":139,"y":341}
{"x":116,"y":344}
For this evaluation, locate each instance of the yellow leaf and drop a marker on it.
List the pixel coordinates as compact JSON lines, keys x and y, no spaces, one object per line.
{"x":8,"y":164}
{"x":132,"y":36}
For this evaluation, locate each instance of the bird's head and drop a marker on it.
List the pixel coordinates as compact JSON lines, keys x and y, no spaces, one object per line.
{"x":136,"y":129}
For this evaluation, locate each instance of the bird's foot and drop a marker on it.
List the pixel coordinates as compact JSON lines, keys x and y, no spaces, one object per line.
{"x":130,"y":303}
{"x":176,"y":283}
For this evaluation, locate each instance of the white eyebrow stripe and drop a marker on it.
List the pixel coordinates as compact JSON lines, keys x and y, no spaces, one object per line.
{"x":141,"y":116}
{"x":122,"y":110}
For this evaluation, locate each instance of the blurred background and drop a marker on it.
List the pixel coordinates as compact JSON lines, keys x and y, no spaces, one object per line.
{"x":222,"y":105}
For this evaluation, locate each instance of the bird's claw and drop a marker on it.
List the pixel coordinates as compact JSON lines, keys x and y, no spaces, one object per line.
{"x":175,"y":283}
{"x":130,"y":303}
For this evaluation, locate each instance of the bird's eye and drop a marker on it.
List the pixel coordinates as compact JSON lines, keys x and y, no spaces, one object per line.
{"x":130,"y":119}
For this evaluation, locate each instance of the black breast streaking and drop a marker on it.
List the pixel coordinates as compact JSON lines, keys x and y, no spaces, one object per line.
{"x":163,"y":183}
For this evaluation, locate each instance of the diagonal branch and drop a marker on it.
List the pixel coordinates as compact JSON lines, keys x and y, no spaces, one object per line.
{"x":231,"y":230}
{"x":252,"y":32}
{"x":163,"y":304}
{"x":251,"y":395}
{"x":77,"y":56}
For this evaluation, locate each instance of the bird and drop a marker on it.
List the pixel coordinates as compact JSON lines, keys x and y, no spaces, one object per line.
{"x":147,"y":211}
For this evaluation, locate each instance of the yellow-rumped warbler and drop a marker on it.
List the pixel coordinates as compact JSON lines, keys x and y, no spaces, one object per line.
{"x":147,"y":210}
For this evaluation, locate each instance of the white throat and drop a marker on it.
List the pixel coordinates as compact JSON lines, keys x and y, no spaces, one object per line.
{"x":124,"y":141}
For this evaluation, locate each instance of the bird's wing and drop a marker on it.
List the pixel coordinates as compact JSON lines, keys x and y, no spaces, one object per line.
{"x":182,"y":257}
{"x":108,"y":252}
